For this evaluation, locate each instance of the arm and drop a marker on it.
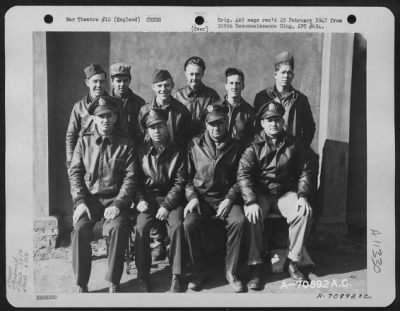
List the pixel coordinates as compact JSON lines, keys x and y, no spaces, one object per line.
{"x":76,"y":174}
{"x":248,"y":167}
{"x":129,"y":183}
{"x":74,"y":127}
{"x":306,"y":171}
{"x":190,"y":191}
{"x":176,"y":193}
{"x":309,"y":124}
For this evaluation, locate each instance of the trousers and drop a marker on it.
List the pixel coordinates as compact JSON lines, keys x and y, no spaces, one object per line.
{"x":81,"y":237}
{"x":145,"y":221}
{"x":298,"y":224}
{"x":195,"y":225}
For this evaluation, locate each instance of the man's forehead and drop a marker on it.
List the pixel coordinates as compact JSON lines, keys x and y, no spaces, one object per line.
{"x":99,"y":76}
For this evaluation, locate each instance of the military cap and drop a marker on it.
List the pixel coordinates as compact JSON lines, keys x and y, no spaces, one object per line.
{"x":160,"y":75}
{"x":284,"y":56}
{"x":195,"y":60}
{"x":216,"y":112}
{"x":93,"y":69}
{"x":103,"y":104}
{"x":155,"y":116}
{"x":120,"y":69}
{"x":271,"y":109}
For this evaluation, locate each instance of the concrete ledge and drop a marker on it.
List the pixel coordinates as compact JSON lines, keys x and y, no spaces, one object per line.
{"x":45,"y":231}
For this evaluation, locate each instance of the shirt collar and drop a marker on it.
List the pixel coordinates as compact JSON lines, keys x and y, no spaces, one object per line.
{"x":99,"y":139}
{"x":191,"y":92}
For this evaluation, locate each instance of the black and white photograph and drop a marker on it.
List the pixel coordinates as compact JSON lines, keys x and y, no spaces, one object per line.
{"x":228,"y":156}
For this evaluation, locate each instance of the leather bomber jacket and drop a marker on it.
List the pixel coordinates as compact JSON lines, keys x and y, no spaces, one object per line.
{"x":212,"y":176}
{"x":161,"y":175}
{"x":287,"y":168}
{"x":105,"y":167}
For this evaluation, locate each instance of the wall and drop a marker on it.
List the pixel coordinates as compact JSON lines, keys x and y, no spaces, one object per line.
{"x":67,"y":55}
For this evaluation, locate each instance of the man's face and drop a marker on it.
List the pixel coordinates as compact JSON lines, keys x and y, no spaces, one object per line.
{"x":193,"y":74}
{"x":163,"y":89}
{"x":120,"y":84}
{"x":217,"y":129}
{"x":96,"y":85}
{"x":105,"y":122}
{"x":272,"y":126}
{"x":284,"y":76}
{"x":234,"y":86}
{"x":158,"y":132}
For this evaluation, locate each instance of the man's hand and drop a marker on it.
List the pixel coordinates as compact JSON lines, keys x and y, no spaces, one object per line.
{"x":191,"y":207}
{"x":224,"y":208}
{"x":142,"y":206}
{"x":111,"y":212}
{"x":253,"y":212}
{"x":79,"y":211}
{"x":303,"y":207}
{"x":162,"y":213}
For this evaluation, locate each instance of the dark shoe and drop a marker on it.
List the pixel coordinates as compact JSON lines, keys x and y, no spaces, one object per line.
{"x":197,"y":281}
{"x":176,"y":286}
{"x":114,"y":288}
{"x":255,"y":278}
{"x":159,"y":252}
{"x":144,"y":285}
{"x":234,"y":282}
{"x":82,"y":289}
{"x":294,"y":271}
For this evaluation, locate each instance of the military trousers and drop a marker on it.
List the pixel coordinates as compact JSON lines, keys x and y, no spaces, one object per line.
{"x":81,"y":236}
{"x":144,"y":222}
{"x":195,"y":227}
{"x":286,"y":205}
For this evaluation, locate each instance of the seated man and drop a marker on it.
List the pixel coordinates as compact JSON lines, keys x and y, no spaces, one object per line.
{"x":211,"y":192}
{"x":275,"y":174}
{"x":102,"y":178}
{"x":162,"y":178}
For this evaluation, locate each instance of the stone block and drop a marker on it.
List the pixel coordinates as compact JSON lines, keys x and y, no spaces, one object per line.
{"x":45,"y":235}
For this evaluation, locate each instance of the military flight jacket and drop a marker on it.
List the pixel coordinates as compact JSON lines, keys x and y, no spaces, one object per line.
{"x":299,"y":120}
{"x":241,"y":121}
{"x":274,"y":171}
{"x":105,"y":167}
{"x":212,"y":173}
{"x":161,"y":175}
{"x":129,"y":113}
{"x":196,"y":102}
{"x":179,"y":121}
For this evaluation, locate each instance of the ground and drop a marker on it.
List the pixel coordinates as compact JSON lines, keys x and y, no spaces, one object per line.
{"x":340,"y":266}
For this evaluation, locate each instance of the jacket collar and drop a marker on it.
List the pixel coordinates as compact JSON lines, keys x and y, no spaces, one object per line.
{"x":262,"y":138}
{"x":274,"y":93}
{"x":129,"y":94}
{"x":99,"y":139}
{"x":167,"y":106}
{"x":190,"y":92}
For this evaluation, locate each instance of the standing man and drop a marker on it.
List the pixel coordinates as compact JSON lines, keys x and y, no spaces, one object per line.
{"x":179,"y":119}
{"x":179,"y":129}
{"x":241,"y":114}
{"x":195,"y":95}
{"x":103,"y":181}
{"x":131,"y":103}
{"x":275,"y":175}
{"x":161,"y":190}
{"x":212,"y":192}
{"x":298,"y":117}
{"x":80,"y":117}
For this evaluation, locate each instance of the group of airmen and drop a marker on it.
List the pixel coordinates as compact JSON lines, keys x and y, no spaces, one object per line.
{"x":185,"y":160}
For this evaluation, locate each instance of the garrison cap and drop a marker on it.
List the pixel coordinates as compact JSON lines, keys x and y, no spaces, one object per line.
{"x":155,"y":116}
{"x":271,"y":109}
{"x":284,"y":56}
{"x":160,"y":75}
{"x":120,"y":69}
{"x":216,"y":112}
{"x":103,"y":104}
{"x":93,"y":69}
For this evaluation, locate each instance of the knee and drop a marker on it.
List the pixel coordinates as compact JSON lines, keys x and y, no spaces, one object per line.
{"x":239,"y":221}
{"x":190,"y":222}
{"x":143,"y":225}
